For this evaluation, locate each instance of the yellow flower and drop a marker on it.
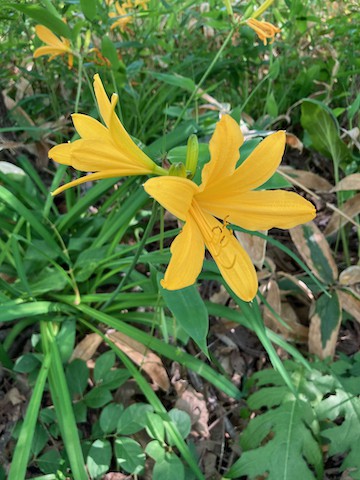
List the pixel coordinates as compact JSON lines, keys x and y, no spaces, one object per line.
{"x":264,"y":30}
{"x":124,"y":16}
{"x":226,"y":193}
{"x":107,"y":150}
{"x":55,"y":45}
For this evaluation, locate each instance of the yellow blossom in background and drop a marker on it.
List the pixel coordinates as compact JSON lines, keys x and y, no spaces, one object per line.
{"x":55,"y":45}
{"x":264,"y":30}
{"x":227,"y":193}
{"x":108,"y":151}
{"x":125,"y":12}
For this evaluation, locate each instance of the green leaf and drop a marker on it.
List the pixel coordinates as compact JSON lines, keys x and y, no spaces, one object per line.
{"x":279,"y":443}
{"x":129,"y":455}
{"x":182,"y":421}
{"x":50,"y":461}
{"x":165,"y":469}
{"x":97,"y":397}
{"x":77,"y":375}
{"x":66,"y":338}
{"x":109,"y":51}
{"x":44,"y":17}
{"x":344,"y":437}
{"x":99,"y":458}
{"x":27,"y":363}
{"x":133,"y":418}
{"x":89,"y":8}
{"x":175,"y":79}
{"x":190,"y":312}
{"x":155,"y":426}
{"x":103,"y":365}
{"x":155,"y":450}
{"x":109,"y":417}
{"x":321,"y":125}
{"x":271,"y":105}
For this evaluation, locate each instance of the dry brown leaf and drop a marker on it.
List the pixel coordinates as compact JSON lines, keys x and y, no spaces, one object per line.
{"x":294,"y":142}
{"x":87,"y":347}
{"x":350,"y":303}
{"x":308,"y":179}
{"x":272,"y":295}
{"x":350,"y":208}
{"x":299,"y":283}
{"x":315,"y":341}
{"x":298,"y":331}
{"x":350,"y":275}
{"x":193,"y":403}
{"x":302,"y":245}
{"x":255,"y":247}
{"x":143,"y":357}
{"x":351,"y":182}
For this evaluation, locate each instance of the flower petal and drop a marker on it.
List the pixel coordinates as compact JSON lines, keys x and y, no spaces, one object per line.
{"x":173,"y":193}
{"x":264,"y":209}
{"x":117,"y":131}
{"x":89,"y":128}
{"x":87,"y":178}
{"x":188,"y":251}
{"x":234,"y":263}
{"x":260,"y":165}
{"x":47,"y":36}
{"x":224,"y":151}
{"x":39,"y":52}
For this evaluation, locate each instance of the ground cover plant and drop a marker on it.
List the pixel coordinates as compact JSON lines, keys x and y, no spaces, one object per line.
{"x":179,"y":262}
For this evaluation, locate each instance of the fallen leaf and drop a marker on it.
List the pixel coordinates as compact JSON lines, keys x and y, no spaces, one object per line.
{"x":350,"y":303}
{"x":350,"y":275}
{"x":351,"y":182}
{"x":315,"y":251}
{"x":87,"y":347}
{"x":143,"y":357}
{"x":350,"y":209}
{"x":308,"y":179}
{"x":193,"y":403}
{"x":255,"y":247}
{"x":294,"y":142}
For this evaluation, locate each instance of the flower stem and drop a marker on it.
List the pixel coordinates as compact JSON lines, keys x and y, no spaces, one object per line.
{"x":78,"y":92}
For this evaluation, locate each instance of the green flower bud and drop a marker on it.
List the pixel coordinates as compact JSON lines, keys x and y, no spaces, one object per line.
{"x":192,"y":155}
{"x":177,"y":170}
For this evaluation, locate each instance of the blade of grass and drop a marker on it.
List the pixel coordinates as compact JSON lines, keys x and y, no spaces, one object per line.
{"x":23,"y":445}
{"x":62,"y":402}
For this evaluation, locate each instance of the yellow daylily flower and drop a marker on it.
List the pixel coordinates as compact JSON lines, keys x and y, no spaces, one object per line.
{"x":124,"y":19}
{"x":264,"y":30}
{"x":226,"y":193}
{"x":107,"y":150}
{"x":55,"y":45}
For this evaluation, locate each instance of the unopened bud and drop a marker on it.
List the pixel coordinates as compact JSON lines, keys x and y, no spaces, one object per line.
{"x":177,"y":170}
{"x":192,"y":155}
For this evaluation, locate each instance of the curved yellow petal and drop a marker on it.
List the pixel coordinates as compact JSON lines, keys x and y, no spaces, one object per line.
{"x":224,"y":151}
{"x":173,"y":193}
{"x":89,"y":128}
{"x":39,"y":52}
{"x":62,"y":153}
{"x":264,"y":210}
{"x":260,"y":165}
{"x":87,"y":178}
{"x":117,"y":131}
{"x":234,"y":263}
{"x":188,"y":251}
{"x":47,"y":36}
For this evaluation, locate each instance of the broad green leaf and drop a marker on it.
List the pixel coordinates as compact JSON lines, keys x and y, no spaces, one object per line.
{"x":129,"y":455}
{"x":155,"y":450}
{"x":175,"y":79}
{"x":109,"y":417}
{"x":44,"y":17}
{"x":324,"y":325}
{"x":77,"y":375}
{"x":109,"y":51}
{"x":155,"y":426}
{"x":99,"y":458}
{"x":318,"y":120}
{"x":103,"y":365}
{"x":50,"y":461}
{"x":133,"y":418}
{"x":97,"y":397}
{"x":66,"y":338}
{"x":344,"y":437}
{"x":190,"y":312}
{"x":27,"y":363}
{"x":315,"y":250}
{"x":89,"y":8}
{"x":182,"y":421}
{"x":165,"y":470}
{"x":279,"y":443}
